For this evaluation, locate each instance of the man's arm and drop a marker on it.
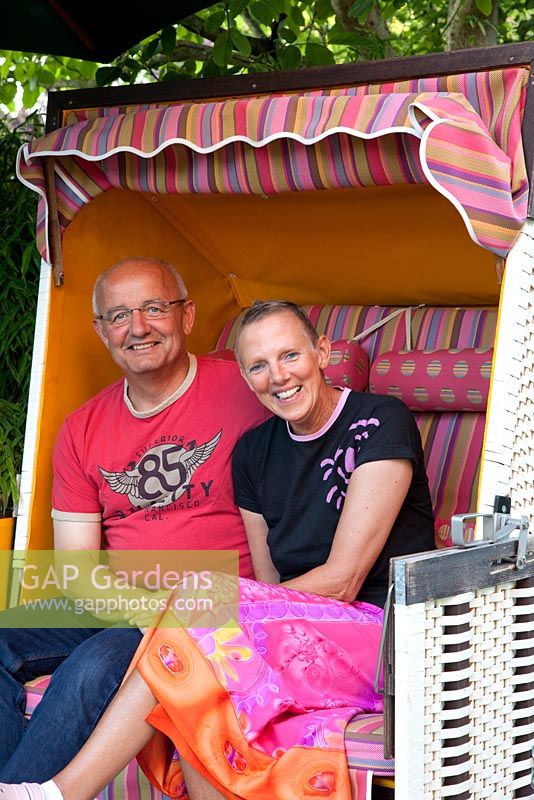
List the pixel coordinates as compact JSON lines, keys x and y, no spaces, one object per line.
{"x":84,"y":538}
{"x":375,"y":495}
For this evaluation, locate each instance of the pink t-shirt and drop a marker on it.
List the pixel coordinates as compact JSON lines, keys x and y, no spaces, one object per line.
{"x":159,"y":479}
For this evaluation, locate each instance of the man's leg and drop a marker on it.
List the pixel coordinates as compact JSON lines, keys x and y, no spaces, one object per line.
{"x":80,"y":690}
{"x":26,"y":652}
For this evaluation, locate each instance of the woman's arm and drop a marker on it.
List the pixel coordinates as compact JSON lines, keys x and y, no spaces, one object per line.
{"x":257,"y":530}
{"x":374,"y":498}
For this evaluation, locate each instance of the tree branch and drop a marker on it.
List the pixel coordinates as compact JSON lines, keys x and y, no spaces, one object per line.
{"x":185,"y":50}
{"x":462,"y":30}
{"x":195,"y":24}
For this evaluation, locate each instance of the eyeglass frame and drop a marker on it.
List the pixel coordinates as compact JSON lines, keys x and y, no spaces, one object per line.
{"x":129,"y":311}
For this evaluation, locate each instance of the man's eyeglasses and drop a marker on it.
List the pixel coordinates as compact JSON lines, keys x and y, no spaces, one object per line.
{"x":152,"y":309}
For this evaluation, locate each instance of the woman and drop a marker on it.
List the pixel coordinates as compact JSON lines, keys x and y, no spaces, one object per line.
{"x":330,"y":489}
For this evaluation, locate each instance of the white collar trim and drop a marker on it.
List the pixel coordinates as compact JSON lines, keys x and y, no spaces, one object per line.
{"x":182,"y":389}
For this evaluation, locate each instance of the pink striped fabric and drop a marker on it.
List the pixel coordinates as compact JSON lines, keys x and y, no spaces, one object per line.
{"x":472,"y":154}
{"x":452,"y":443}
{"x":432,"y":328}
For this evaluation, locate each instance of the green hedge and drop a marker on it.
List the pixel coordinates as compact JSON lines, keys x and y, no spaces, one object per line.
{"x":19,"y":280}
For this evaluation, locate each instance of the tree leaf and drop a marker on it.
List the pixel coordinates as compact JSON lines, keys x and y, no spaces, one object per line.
{"x":222,"y":49}
{"x":190,"y":66}
{"x":7,"y":92}
{"x":30,"y":95}
{"x":289,"y":57}
{"x":106,"y":75}
{"x":214,"y":21}
{"x":171,"y":72}
{"x":240,"y":41}
{"x":323,"y":9}
{"x":87,"y":69}
{"x":296,"y":15}
{"x":236,"y":7}
{"x":263,"y":13}
{"x":210,"y":69}
{"x":484,"y":6}
{"x":168,"y":40}
{"x":149,"y":50}
{"x":361,"y":8}
{"x":317,"y":55}
{"x":287,"y":34}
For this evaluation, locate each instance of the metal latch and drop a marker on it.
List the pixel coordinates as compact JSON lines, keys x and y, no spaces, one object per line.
{"x":496,"y":527}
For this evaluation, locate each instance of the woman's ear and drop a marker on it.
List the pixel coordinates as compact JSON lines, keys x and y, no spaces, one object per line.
{"x":323,"y":348}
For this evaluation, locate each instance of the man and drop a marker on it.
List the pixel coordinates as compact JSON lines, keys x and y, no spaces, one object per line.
{"x":145,"y":464}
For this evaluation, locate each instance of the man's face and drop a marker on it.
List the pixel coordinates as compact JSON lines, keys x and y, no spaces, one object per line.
{"x":143,"y":346}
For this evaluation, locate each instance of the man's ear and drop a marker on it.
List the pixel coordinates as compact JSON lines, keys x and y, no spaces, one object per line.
{"x":189,"y":312}
{"x":323,"y":348}
{"x":99,"y":328}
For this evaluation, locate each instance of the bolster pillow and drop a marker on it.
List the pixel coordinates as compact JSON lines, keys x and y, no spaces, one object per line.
{"x":435,"y":380}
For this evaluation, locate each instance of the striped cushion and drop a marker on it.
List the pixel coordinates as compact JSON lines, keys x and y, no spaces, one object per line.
{"x":364,"y":744}
{"x":130,"y":784}
{"x":452,"y":443}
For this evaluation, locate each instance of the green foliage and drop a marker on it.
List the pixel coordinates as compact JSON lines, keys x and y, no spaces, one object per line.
{"x":19,"y":265}
{"x":12,"y":418}
{"x":484,"y":6}
{"x":261,"y":35}
{"x":30,"y":75}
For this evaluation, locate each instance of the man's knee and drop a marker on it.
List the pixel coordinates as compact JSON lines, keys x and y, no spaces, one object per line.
{"x":100,"y":663}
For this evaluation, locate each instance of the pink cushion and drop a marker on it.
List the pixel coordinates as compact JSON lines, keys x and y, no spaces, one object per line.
{"x":349,"y":364}
{"x":222,"y":355}
{"x":435,"y":380}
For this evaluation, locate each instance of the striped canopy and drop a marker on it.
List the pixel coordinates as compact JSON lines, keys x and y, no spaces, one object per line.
{"x":461,"y":134}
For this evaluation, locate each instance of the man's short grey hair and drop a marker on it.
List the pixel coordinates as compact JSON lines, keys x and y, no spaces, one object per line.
{"x":266,"y":308}
{"x":158,"y":262}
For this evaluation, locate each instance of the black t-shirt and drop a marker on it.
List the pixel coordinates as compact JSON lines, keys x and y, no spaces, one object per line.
{"x":298,"y":484}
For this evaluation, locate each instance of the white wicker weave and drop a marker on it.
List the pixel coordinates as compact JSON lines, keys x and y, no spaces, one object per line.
{"x":464,"y":698}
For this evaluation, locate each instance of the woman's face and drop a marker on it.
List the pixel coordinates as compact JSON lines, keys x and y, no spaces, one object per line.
{"x":282,"y":367}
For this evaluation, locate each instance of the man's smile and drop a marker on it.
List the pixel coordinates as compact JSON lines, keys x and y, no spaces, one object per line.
{"x":143,"y":346}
